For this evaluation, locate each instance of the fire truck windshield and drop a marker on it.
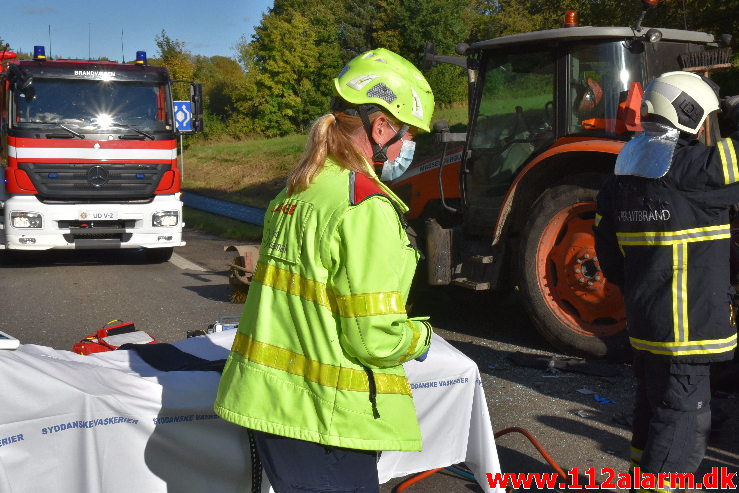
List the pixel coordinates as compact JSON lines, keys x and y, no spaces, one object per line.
{"x":94,"y":105}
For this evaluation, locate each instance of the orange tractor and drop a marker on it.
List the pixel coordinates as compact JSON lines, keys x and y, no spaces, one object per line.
{"x":511,"y":201}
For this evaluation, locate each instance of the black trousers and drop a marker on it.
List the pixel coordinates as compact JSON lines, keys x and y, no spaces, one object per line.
{"x":299,"y":466}
{"x":672,"y":415}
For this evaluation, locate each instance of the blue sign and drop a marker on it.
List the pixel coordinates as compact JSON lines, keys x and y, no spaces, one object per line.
{"x":183,"y":116}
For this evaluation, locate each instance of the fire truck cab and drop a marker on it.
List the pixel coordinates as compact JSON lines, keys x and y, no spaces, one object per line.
{"x":88,"y":156}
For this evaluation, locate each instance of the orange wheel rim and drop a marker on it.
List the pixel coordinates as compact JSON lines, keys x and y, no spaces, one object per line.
{"x":570,"y":277}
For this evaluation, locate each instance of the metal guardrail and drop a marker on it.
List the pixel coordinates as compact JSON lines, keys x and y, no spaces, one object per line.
{"x":239,"y":212}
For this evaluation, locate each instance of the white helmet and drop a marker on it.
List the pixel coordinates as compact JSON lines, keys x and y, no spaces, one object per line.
{"x":682,"y":98}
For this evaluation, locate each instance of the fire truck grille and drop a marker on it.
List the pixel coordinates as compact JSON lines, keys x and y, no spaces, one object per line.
{"x":96,"y":225}
{"x":94,"y":181}
{"x":92,"y":234}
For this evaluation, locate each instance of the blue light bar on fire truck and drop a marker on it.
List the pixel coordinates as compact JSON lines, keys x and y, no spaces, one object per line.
{"x":140,"y":58}
{"x":39,"y":53}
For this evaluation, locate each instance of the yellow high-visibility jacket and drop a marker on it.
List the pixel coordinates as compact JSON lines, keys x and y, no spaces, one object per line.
{"x":320,"y":345}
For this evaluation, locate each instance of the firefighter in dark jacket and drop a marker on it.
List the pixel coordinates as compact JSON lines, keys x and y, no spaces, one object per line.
{"x":662,"y":235}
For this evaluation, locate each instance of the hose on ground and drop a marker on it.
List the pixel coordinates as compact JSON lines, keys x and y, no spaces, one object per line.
{"x":514,"y":429}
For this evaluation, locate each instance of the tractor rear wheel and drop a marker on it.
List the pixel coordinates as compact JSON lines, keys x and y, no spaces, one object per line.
{"x":567,"y":296}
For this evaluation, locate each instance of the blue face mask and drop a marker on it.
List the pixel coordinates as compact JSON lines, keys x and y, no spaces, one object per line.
{"x":392,"y":170}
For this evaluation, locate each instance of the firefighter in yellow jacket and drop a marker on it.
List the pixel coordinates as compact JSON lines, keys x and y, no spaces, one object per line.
{"x":315,"y":371}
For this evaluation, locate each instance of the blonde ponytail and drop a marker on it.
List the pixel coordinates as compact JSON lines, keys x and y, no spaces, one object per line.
{"x":330,"y":136}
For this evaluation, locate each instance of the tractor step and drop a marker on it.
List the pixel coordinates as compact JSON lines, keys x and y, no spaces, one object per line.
{"x":470,"y":284}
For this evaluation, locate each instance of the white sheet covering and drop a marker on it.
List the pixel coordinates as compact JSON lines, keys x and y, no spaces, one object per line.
{"x":110,"y":423}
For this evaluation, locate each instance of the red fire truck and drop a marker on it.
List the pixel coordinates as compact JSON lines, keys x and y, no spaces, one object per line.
{"x":88,"y":155}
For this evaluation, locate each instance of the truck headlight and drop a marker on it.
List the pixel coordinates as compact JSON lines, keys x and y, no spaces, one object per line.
{"x":26,"y":220}
{"x":165,"y":218}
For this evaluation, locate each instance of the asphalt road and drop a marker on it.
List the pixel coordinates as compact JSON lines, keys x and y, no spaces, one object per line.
{"x":56,"y":298}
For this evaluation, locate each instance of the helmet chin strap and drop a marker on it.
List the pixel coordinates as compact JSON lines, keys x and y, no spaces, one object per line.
{"x":379,"y":153}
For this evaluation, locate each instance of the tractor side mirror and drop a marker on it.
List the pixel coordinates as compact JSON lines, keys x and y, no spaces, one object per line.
{"x":430,"y":58}
{"x":443,"y":135}
{"x":429,"y":53}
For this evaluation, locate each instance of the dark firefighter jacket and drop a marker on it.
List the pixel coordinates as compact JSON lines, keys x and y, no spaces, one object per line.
{"x":665,"y":242}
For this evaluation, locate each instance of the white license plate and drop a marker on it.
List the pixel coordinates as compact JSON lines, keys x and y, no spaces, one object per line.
{"x":98,"y":215}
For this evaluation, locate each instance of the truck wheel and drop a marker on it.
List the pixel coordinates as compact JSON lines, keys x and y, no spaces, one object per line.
{"x":6,"y":257}
{"x":159,"y":255}
{"x":565,"y":292}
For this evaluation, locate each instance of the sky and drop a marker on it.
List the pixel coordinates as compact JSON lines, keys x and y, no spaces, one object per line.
{"x":92,"y":28}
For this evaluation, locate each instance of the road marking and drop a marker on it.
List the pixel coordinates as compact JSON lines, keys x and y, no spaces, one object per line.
{"x":185,"y":264}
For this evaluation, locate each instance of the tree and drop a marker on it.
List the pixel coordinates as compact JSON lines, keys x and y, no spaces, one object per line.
{"x":179,"y":62}
{"x":286,"y":67}
{"x":280,"y":64}
{"x":289,"y":64}
{"x":358,"y":27}
{"x":404,"y":27}
{"x":218,"y":75}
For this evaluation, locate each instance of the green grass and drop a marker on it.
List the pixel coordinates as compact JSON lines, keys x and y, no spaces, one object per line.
{"x":252,"y":172}
{"x":246,"y":172}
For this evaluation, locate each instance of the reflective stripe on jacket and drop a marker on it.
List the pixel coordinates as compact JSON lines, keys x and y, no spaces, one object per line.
{"x":666,"y":243}
{"x":319,"y":350}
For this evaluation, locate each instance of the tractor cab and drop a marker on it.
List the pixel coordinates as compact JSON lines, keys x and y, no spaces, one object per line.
{"x":549,"y":111}
{"x":541,"y":89}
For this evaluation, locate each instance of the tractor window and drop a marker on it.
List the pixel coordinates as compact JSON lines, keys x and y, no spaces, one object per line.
{"x":517,"y":98}
{"x":515,"y":116}
{"x":514,"y":120}
{"x":600,"y":77}
{"x":664,"y":56}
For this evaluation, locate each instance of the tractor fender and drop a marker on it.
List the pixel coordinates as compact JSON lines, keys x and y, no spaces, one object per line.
{"x":566,"y":157}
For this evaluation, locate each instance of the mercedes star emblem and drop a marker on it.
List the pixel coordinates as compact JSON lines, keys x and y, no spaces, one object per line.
{"x":97,"y":176}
